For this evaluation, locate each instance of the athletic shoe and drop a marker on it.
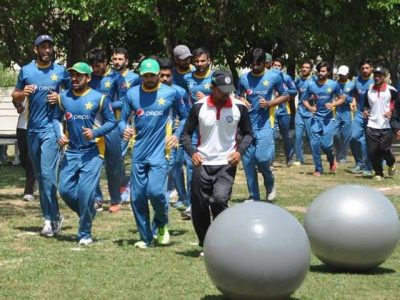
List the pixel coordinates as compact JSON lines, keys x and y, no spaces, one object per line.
{"x":173,"y":194}
{"x":57,"y":224}
{"x":114,"y":208}
{"x":28,"y":197}
{"x":163,"y":237}
{"x":98,"y":205}
{"x":125,"y":192}
{"x":342,"y":161}
{"x":271,"y":196}
{"x":141,"y":245}
{"x":187,"y":214}
{"x":85,"y":241}
{"x":289,"y":163}
{"x":333,"y":167}
{"x":317,"y":174}
{"x":378,"y":178}
{"x":47,"y":229}
{"x":297,"y":163}
{"x":368,"y":173}
{"x":357,"y":170}
{"x":179,"y":206}
{"x":392,"y":170}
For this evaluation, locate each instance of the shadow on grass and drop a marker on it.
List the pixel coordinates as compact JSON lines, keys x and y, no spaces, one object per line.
{"x":328,"y":269}
{"x":177,"y":232}
{"x":66,"y":238}
{"x":220,"y":297}
{"x":189,"y":253}
{"x":124,"y":242}
{"x":36,"y":228}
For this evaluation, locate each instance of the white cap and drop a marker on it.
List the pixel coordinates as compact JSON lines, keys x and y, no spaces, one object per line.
{"x":343,"y":70}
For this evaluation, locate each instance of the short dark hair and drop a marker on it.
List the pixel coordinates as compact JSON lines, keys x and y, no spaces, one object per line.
{"x":324,"y":64}
{"x":308,"y":62}
{"x":365,"y":61}
{"x":97,"y":55}
{"x":121,"y":51}
{"x":199,"y":51}
{"x":257,"y":55}
{"x":165,"y":63}
{"x":280,"y":60}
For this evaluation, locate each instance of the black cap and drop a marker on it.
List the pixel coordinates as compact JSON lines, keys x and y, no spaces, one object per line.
{"x":43,"y":38}
{"x":380,"y":70}
{"x":223,"y":80}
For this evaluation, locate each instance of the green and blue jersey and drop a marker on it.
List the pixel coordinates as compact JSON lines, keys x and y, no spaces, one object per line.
{"x":347,"y":89}
{"x":195,"y":83}
{"x":177,"y":76}
{"x":301,"y":86}
{"x":284,"y":108}
{"x":362,"y":86}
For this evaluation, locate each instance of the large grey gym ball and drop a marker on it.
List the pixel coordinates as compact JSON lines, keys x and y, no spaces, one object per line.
{"x":256,"y":251}
{"x":352,"y":227}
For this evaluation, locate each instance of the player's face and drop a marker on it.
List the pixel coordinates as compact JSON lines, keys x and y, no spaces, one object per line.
{"x":379,"y":78}
{"x":323,"y":73}
{"x":150,"y":80}
{"x":183,"y":64}
{"x":218,"y":96}
{"x":119,"y":61}
{"x":202,"y":63}
{"x":99,"y":68}
{"x":366,"y":71}
{"x":79,"y":81}
{"x":277,"y":65}
{"x":44,"y":52}
{"x":257,"y":67}
{"x":305,"y":70}
{"x":166,"y":76}
{"x":343,"y":78}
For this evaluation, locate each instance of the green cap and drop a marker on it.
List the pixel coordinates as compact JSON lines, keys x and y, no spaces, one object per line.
{"x":149,"y":66}
{"x":82,"y":68}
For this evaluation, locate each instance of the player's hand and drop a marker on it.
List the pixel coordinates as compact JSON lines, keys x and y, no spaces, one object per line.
{"x":365,"y":113}
{"x":63,"y":141}
{"x":128,"y":133}
{"x":88,"y":133}
{"x":52,"y":97}
{"x":200,"y":95}
{"x":353,"y":106}
{"x":21,"y":109}
{"x":388,"y":115}
{"x":264,"y":103}
{"x":246,"y":103}
{"x":29,"y":89}
{"x":197,"y":159}
{"x":234,"y":158}
{"x":313,"y":109}
{"x":172,"y":142}
{"x":329,"y":105}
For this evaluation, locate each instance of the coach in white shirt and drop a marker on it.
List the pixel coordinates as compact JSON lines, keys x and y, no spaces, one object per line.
{"x":378,"y":108}
{"x":218,"y":118}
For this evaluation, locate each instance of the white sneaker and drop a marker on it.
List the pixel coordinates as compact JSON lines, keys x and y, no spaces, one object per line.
{"x":140,"y":245}
{"x":85,"y":241}
{"x":271,"y":197}
{"x":28,"y":197}
{"x":47,"y":229}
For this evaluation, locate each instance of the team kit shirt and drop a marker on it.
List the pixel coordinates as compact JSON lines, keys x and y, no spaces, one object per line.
{"x":284,"y":108}
{"x":319,"y":95}
{"x":131,"y":79}
{"x":153,"y":110}
{"x":255,"y":86}
{"x":195,"y":83}
{"x":301,"y":85}
{"x":46,"y":80}
{"x":347,"y":89}
{"x":362,"y":86}
{"x":177,"y":76}
{"x":90,"y":109}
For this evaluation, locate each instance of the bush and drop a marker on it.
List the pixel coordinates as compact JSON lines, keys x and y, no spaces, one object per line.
{"x":8,"y":78}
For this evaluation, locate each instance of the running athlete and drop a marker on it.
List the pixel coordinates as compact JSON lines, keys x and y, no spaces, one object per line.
{"x":303,"y":116}
{"x":358,"y":141}
{"x":182,"y":56}
{"x":343,"y":117}
{"x":109,"y":83}
{"x":40,"y":82}
{"x":320,"y":97}
{"x":256,"y":91}
{"x":88,"y":116}
{"x":153,"y":103}
{"x":284,"y":113}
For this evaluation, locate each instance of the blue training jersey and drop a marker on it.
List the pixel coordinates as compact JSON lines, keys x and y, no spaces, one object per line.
{"x":46,"y":80}
{"x":131,"y":79}
{"x":347,"y":89}
{"x":91,"y":109}
{"x":177,"y":76}
{"x":362,"y":86}
{"x":320,"y":94}
{"x":252,"y":87}
{"x":195,"y":83}
{"x":301,"y":86}
{"x":153,"y":112}
{"x":284,"y":108}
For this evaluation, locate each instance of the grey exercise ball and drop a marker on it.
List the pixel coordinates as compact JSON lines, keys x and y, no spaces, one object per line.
{"x":256,"y":251}
{"x":352,"y":227}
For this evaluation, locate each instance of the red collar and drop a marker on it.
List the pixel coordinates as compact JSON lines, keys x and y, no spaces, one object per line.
{"x":210,"y":102}
{"x":380,"y":88}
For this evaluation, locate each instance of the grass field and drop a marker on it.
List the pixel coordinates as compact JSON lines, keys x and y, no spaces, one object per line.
{"x":32,"y":266}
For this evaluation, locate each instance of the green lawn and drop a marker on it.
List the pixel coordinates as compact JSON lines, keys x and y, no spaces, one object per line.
{"x":32,"y":266}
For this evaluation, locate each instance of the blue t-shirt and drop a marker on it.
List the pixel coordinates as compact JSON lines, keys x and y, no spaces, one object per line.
{"x":131,"y":79}
{"x":301,"y":86}
{"x":319,"y":95}
{"x":195,"y":83}
{"x":252,"y":87}
{"x":91,"y":109}
{"x":46,"y":80}
{"x":284,"y":108}
{"x":347,"y":89}
{"x":362,"y":86}
{"x":177,"y":76}
{"x":153,"y":112}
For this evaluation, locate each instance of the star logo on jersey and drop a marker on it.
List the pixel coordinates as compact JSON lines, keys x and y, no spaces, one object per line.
{"x":107,"y":84}
{"x":329,"y":90}
{"x":347,"y":89}
{"x":89,"y":105}
{"x":265,"y":82}
{"x":128,"y":85}
{"x":161,"y":101}
{"x":207,"y":86}
{"x":54,"y":77}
